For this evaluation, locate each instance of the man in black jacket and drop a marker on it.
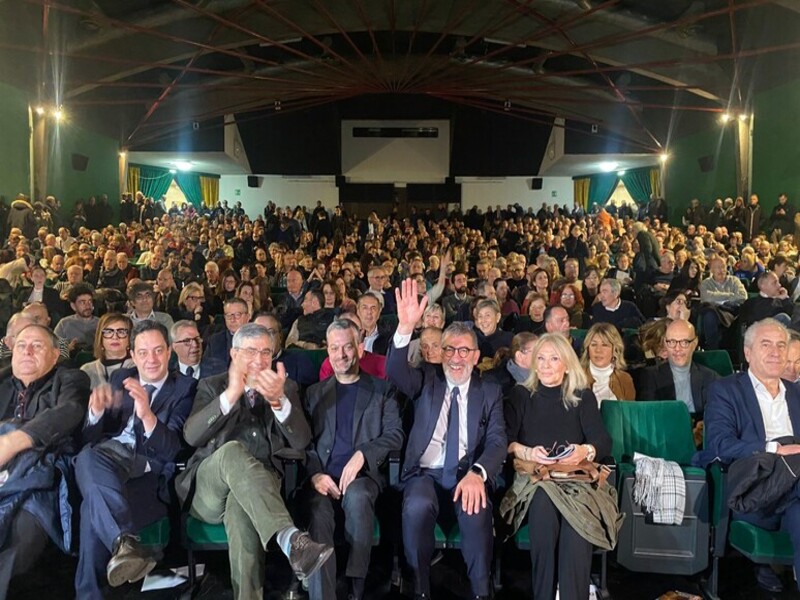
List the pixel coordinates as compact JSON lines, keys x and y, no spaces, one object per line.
{"x":50,"y":405}
{"x":772,"y":301}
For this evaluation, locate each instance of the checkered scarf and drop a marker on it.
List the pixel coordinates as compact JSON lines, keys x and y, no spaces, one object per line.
{"x":660,"y":488}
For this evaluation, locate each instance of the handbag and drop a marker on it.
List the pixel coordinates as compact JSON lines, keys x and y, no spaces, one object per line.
{"x":585,"y":471}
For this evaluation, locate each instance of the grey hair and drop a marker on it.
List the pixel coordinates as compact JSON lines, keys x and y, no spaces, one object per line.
{"x":177,"y":325}
{"x":344,"y":325}
{"x":750,"y":333}
{"x":49,"y":333}
{"x":250,"y":331}
{"x":614,"y":284}
{"x":459,"y":328}
{"x":432,"y":308}
{"x":371,"y":294}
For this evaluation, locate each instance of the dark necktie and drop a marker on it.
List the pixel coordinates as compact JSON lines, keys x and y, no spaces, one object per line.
{"x":150,"y":389}
{"x":251,"y":397}
{"x":450,"y":471}
{"x":190,"y":371}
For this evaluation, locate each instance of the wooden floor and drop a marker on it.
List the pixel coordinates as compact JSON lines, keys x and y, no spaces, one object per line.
{"x":53,"y":580}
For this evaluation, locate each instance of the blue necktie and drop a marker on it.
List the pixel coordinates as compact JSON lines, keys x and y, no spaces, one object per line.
{"x":450,"y":471}
{"x":150,"y":389}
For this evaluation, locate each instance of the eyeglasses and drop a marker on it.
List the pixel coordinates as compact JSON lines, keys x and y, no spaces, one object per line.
{"x":190,"y":341}
{"x":251,"y":353}
{"x":110,"y":332}
{"x":234,"y":316}
{"x":195,"y":298}
{"x":681,"y":343}
{"x":463,"y":351}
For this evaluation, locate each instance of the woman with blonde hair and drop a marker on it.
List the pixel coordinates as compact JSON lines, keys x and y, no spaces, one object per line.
{"x":553,"y":418}
{"x":191,"y":306}
{"x":603,"y":362}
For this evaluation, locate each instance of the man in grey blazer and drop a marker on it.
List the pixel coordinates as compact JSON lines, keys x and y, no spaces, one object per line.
{"x":355,"y":423}
{"x":240,"y":421}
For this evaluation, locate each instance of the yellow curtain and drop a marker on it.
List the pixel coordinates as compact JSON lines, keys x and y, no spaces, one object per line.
{"x":210,"y":188}
{"x":655,"y":182}
{"x":133,"y":180}
{"x":582,"y":192}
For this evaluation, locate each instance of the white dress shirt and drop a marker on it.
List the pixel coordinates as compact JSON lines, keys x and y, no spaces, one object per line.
{"x":195,"y":373}
{"x":281,"y":414}
{"x":774,"y":411}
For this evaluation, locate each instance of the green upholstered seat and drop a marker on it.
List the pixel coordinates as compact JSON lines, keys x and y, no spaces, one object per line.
{"x":578,"y":334}
{"x":202,"y":534}
{"x":660,"y":429}
{"x":523,"y":538}
{"x":440,"y":539}
{"x":718,"y":361}
{"x":760,"y":545}
{"x":317,"y":356}
{"x":155,"y":535}
{"x":83,"y":357}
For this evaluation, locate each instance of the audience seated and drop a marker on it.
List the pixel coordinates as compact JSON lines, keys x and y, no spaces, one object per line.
{"x":80,"y":327}
{"x":603,"y":362}
{"x":623,"y":314}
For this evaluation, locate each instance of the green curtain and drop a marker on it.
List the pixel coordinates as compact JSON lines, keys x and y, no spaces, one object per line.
{"x":153,"y":181}
{"x":638,"y":184}
{"x":601,"y":187}
{"x":190,"y":186}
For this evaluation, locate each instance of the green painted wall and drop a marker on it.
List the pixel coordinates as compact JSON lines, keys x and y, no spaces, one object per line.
{"x":685,"y":180}
{"x":14,"y":154}
{"x":776,"y":149}
{"x":101,"y":175}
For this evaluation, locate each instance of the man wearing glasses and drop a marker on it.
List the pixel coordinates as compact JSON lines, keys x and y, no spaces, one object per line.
{"x":679,"y":378}
{"x":377,"y":284}
{"x":41,"y":407}
{"x":187,"y":345}
{"x":240,"y":422}
{"x":455,"y":449}
{"x":236,"y":314}
{"x":142,"y":297}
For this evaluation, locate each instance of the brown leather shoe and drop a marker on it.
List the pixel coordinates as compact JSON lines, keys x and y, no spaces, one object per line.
{"x":306,"y":555}
{"x":129,"y":561}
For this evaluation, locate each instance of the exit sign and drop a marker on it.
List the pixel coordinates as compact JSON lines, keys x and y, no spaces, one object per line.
{"x":237,"y":192}
{"x":554,"y":194}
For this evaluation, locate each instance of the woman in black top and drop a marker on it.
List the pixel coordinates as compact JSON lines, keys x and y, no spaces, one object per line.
{"x":555,"y":408}
{"x":490,"y":337}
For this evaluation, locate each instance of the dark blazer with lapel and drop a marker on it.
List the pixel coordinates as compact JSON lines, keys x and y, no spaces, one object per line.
{"x":207,"y":428}
{"x":171,"y":406}
{"x":56,"y":408}
{"x":657,"y":384}
{"x":426,"y":386}
{"x":219,"y":347}
{"x":377,"y":429}
{"x":734,"y":427}
{"x":56,"y":307}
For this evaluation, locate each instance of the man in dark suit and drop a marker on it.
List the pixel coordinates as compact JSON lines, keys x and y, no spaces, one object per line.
{"x":40,"y":293}
{"x":218,"y":347}
{"x":240,"y":423}
{"x":773,"y":301}
{"x":377,"y":278}
{"x":49,"y":404}
{"x":756,"y":411}
{"x":679,"y":378}
{"x":455,"y":449}
{"x":299,"y":366}
{"x":187,"y":348}
{"x":355,"y":423}
{"x":369,"y":309}
{"x":611,"y":309}
{"x":133,"y":432}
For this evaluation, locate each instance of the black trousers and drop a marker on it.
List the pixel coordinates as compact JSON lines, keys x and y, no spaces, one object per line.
{"x":559,"y":555}
{"x":25,"y":544}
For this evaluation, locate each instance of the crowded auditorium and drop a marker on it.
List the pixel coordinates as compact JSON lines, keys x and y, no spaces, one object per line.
{"x":378,"y":300}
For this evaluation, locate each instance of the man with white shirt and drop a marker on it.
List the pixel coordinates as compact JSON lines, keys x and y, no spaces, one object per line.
{"x":369,"y":308}
{"x":188,"y":348}
{"x":142,"y":296}
{"x":133,"y":432}
{"x":240,"y":422}
{"x":455,"y":449}
{"x":756,"y":411}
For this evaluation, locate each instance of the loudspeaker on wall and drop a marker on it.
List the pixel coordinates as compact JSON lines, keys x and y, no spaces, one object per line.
{"x":536,"y":183}
{"x":254,"y":181}
{"x":707,"y":163}
{"x":80,"y":162}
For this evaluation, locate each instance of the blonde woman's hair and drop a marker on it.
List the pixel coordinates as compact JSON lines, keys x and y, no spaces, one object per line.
{"x":608,"y":333}
{"x":574,"y":378}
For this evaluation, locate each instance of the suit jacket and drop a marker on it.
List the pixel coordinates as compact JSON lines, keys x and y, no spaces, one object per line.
{"x":171,"y":407}
{"x":734,"y":427}
{"x":218,"y":347}
{"x":426,"y":386}
{"x":656,"y":383}
{"x":56,"y":307}
{"x":758,"y":308}
{"x":56,"y":407}
{"x":377,"y":429}
{"x":207,"y":428}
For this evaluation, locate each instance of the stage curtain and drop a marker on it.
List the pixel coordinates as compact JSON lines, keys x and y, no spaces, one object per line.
{"x":210,"y":190}
{"x":190,"y":186}
{"x":154,"y":181}
{"x":600,"y":188}
{"x":133,"y":180}
{"x":639,"y":184}
{"x":655,"y":181}
{"x":582,"y":192}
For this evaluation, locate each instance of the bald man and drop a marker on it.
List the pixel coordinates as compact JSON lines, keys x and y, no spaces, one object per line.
{"x":679,"y":378}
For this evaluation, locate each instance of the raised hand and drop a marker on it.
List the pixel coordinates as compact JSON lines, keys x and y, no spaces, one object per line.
{"x":409,"y":307}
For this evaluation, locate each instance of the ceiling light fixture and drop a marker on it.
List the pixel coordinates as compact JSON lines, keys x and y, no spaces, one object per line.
{"x":607,"y":167}
{"x":620,"y":173}
{"x":183,"y":165}
{"x":39,"y":110}
{"x":663,"y":157}
{"x":725,"y":117}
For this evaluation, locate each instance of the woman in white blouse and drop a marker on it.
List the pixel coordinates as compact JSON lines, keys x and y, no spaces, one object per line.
{"x":604,"y":362}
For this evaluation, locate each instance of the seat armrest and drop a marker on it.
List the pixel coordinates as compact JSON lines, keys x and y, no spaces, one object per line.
{"x":291,"y":460}
{"x":720,"y":512}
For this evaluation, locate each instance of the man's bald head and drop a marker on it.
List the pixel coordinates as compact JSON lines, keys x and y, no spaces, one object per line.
{"x":681,"y":342}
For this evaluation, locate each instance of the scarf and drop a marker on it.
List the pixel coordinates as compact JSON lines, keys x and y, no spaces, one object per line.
{"x":518,"y":373}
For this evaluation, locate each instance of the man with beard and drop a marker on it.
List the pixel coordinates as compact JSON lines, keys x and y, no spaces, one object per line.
{"x":459,"y":298}
{"x":80,"y":327}
{"x":355,"y":423}
{"x":455,"y":449}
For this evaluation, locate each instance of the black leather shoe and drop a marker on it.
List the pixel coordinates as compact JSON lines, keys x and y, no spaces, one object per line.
{"x":768,"y":579}
{"x":306,"y":555}
{"x":129,"y":561}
